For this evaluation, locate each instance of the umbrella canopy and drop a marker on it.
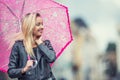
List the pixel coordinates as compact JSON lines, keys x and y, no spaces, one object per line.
{"x":55,"y":21}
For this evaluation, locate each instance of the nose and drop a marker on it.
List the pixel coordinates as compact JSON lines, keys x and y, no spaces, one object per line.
{"x":41,"y":26}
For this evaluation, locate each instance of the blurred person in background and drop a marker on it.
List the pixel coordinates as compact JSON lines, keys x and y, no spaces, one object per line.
{"x":118,"y":51}
{"x":77,"y":24}
{"x":84,"y":51}
{"x":118,"y":46}
{"x":111,"y":63}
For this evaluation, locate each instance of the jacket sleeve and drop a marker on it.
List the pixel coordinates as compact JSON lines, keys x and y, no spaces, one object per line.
{"x":47,"y":51}
{"x":13,"y":70}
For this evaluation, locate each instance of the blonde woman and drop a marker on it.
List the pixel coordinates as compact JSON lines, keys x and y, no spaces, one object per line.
{"x":30,"y":56}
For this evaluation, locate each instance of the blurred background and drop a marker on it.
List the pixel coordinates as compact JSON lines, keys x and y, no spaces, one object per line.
{"x":94,"y":53}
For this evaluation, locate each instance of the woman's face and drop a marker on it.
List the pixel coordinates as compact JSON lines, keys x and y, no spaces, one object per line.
{"x":38,"y":29}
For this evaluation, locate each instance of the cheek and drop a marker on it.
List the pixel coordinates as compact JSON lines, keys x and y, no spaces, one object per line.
{"x":34,"y":31}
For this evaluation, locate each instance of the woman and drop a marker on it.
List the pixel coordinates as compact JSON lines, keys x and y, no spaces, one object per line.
{"x":31,"y":57}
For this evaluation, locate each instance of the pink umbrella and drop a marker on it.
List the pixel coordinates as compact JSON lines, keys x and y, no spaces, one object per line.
{"x":55,"y":18}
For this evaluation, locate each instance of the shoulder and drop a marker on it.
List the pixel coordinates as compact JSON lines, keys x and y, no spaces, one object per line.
{"x":18,"y":42}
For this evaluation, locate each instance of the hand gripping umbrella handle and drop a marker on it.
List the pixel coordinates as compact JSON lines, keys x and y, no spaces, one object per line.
{"x":35,"y":63}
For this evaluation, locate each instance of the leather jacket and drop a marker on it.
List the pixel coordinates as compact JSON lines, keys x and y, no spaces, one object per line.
{"x":18,"y":59}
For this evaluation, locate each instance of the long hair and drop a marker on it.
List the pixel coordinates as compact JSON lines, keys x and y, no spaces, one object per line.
{"x":26,"y":33}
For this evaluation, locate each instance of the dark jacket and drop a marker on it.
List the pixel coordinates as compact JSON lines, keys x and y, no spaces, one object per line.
{"x":18,"y":58}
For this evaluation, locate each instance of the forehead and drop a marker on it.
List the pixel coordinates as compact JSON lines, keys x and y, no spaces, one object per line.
{"x":39,"y":19}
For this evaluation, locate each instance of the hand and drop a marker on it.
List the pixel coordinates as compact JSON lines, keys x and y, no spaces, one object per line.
{"x":39,"y":41}
{"x":28,"y":66}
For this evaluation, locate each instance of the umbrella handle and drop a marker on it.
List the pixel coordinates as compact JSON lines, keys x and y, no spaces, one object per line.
{"x":35,"y":62}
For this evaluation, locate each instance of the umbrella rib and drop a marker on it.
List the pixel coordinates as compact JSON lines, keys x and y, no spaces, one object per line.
{"x":22,"y":9}
{"x":48,"y":8}
{"x":4,"y":65}
{"x":10,"y":10}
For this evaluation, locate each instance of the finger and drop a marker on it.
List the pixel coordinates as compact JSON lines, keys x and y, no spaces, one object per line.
{"x":30,"y":65}
{"x":32,"y":61}
{"x":41,"y":38}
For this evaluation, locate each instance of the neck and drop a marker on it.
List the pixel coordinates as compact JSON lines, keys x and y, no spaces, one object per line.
{"x":35,"y":38}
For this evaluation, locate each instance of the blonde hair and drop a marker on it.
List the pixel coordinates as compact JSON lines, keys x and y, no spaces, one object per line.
{"x":26,"y":34}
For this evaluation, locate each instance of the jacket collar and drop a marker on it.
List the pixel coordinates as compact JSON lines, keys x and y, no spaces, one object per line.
{"x":37,"y":52}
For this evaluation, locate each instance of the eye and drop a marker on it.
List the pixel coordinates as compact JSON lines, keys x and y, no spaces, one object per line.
{"x":38,"y":24}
